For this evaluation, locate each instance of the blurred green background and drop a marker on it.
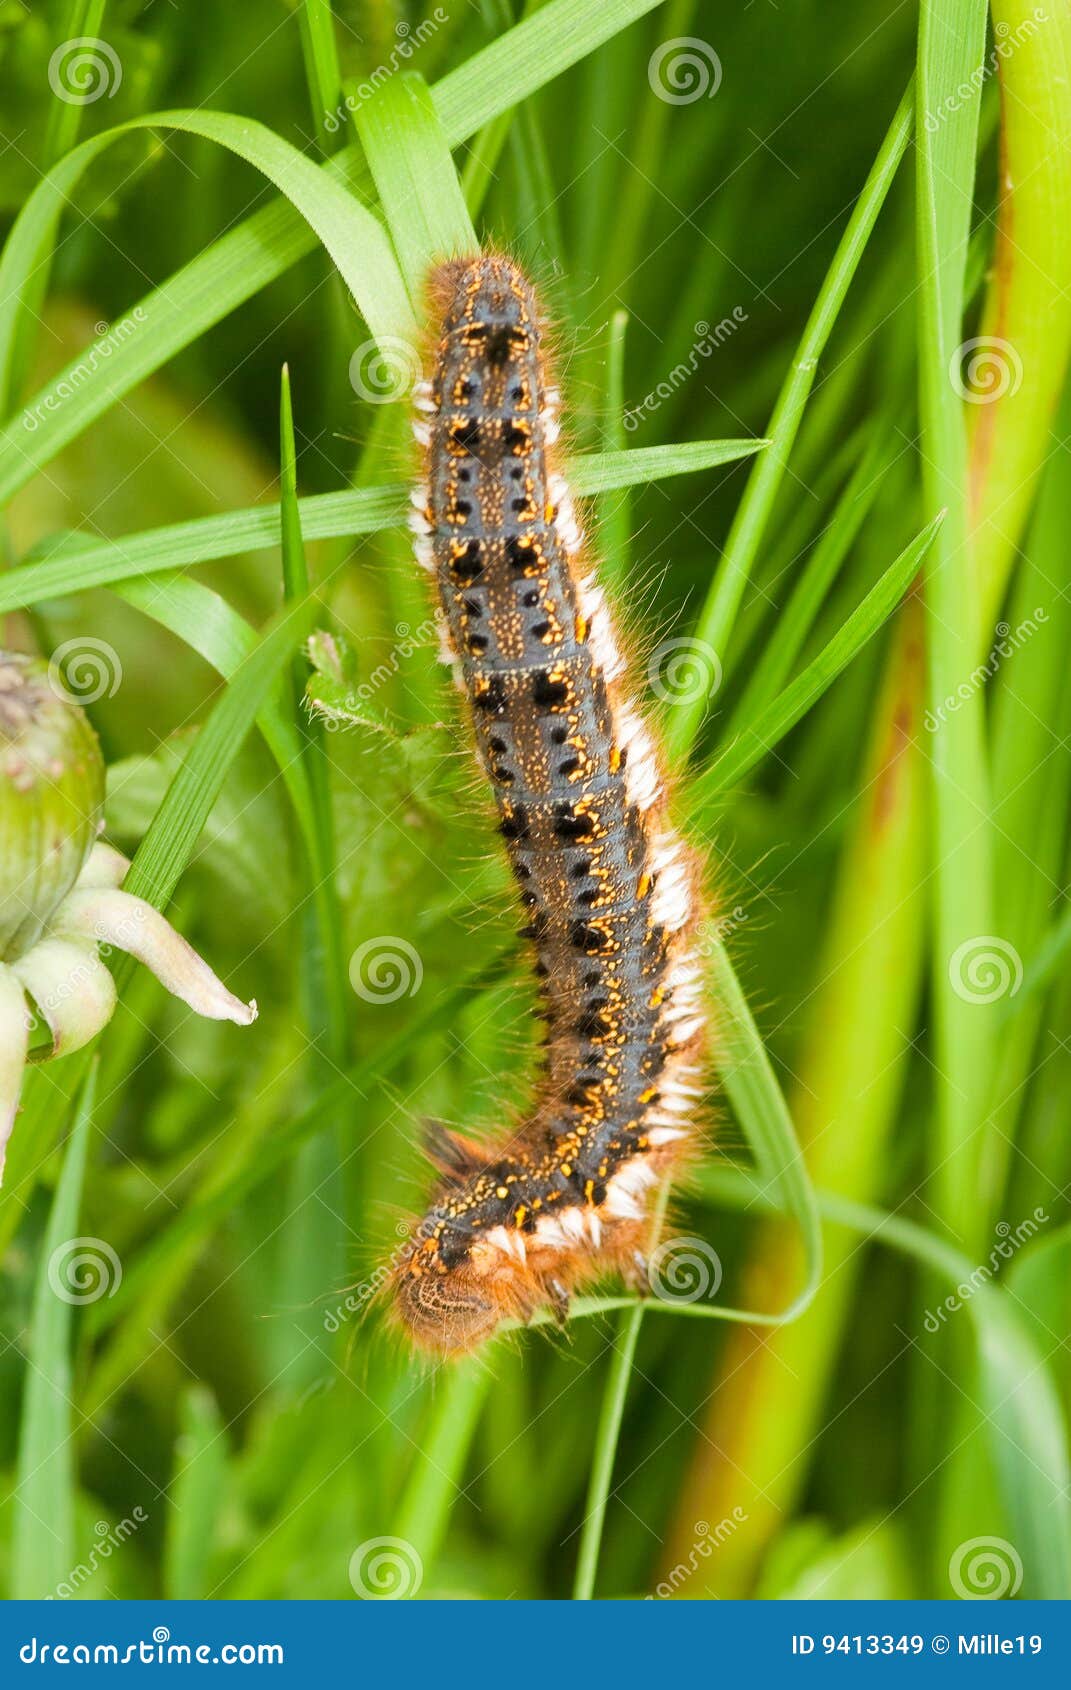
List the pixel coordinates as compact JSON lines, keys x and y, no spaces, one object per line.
{"x":893,"y":896}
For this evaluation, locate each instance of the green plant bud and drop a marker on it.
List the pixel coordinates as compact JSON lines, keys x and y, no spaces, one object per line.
{"x":51,"y":797}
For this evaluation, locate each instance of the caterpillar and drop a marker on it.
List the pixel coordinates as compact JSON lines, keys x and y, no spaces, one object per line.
{"x":611,"y":893}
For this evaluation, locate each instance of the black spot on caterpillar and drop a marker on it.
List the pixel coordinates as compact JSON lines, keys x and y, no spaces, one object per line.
{"x":610,"y":892}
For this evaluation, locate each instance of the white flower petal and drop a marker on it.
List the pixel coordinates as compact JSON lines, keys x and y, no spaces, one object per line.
{"x":104,"y":866}
{"x":118,"y":918}
{"x":71,"y":989}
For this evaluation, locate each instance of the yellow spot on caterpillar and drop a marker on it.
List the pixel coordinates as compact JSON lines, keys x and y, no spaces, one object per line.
{"x":501,"y":1191}
{"x":581,"y":627}
{"x":646,"y":1096}
{"x":567,"y":1168}
{"x":656,"y":996}
{"x":589,"y":1190}
{"x":615,"y":759}
{"x":518,"y":1219}
{"x":549,"y":513}
{"x":643,"y":885}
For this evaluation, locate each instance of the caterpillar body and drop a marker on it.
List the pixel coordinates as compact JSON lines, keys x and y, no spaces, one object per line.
{"x":611,"y":892}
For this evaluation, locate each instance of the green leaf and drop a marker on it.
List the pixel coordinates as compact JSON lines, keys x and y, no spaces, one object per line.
{"x":320,"y":52}
{"x":415,"y":179}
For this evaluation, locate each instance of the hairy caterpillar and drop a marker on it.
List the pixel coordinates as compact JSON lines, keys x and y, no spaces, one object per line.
{"x":611,"y":892}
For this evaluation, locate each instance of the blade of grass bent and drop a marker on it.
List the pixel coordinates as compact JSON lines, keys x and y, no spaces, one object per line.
{"x":241,"y":262}
{"x":79,"y":562}
{"x":415,"y":178}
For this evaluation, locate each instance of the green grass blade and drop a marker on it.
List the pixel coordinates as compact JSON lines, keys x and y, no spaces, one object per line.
{"x":351,"y":234}
{"x":424,"y":1512}
{"x":320,"y":52}
{"x":526,"y":58}
{"x":173,"y":832}
{"x":245,"y":260}
{"x":415,"y":178}
{"x":716,"y":619}
{"x":794,"y":623}
{"x":951,"y":42}
{"x":1023,"y":1418}
{"x":43,"y":1549}
{"x":77,"y":562}
{"x":195,"y":1496}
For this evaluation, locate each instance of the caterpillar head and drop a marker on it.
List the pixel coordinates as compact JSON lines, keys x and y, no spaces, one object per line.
{"x":446,"y":1312}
